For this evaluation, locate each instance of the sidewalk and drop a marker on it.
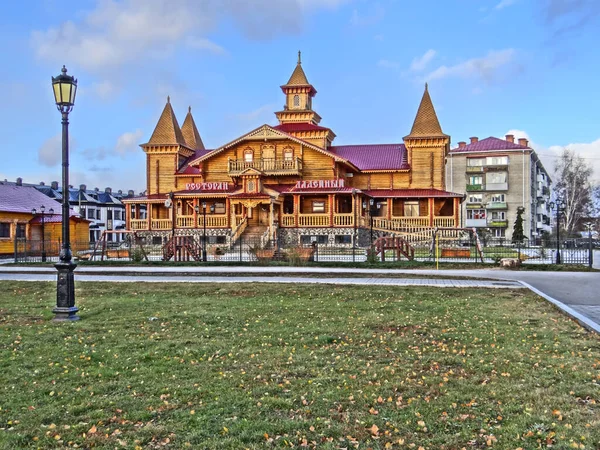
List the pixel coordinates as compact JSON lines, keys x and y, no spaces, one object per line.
{"x":576,"y":293}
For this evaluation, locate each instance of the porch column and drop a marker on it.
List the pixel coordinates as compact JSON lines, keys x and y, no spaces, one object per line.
{"x":430,"y":205}
{"x":127,"y":216}
{"x":271,"y":219}
{"x":456,"y":212}
{"x":296,"y":208}
{"x":195,"y":214}
{"x":149,"y":212}
{"x":228,"y":212}
{"x":390,"y":207}
{"x":331,"y":208}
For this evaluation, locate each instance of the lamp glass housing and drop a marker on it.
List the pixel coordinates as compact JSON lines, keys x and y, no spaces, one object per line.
{"x":65,"y":89}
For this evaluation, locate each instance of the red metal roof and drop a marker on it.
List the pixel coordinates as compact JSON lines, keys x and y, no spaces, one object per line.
{"x":55,"y":218}
{"x":374,"y":156}
{"x":421,"y":193}
{"x":490,"y":144}
{"x":292,"y":189}
{"x":292,"y":127}
{"x":250,"y":195}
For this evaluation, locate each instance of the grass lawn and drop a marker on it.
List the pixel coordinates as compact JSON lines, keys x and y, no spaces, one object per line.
{"x":276,"y":366}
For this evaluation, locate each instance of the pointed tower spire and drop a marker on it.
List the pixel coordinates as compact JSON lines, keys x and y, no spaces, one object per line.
{"x":426,"y":122}
{"x":298,"y":77}
{"x":167,"y":131}
{"x":190,"y":132}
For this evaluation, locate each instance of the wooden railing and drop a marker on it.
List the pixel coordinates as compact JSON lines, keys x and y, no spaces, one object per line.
{"x":443,"y":221}
{"x":266,"y":165}
{"x":138,"y":224}
{"x":185,"y":221}
{"x":399,"y":222}
{"x":239,"y":229}
{"x":313,"y":220}
{"x":219,"y":221}
{"x":343,"y":220}
{"x":288,"y":220}
{"x":160,"y":224}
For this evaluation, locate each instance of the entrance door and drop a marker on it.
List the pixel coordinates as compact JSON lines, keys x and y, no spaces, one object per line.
{"x":263,"y":215}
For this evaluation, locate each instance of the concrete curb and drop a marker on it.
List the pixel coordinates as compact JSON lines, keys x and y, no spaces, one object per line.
{"x":584,"y":321}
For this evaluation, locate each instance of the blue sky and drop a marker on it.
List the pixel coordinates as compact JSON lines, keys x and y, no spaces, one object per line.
{"x":493,"y":66}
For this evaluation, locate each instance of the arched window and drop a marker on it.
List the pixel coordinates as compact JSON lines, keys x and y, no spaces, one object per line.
{"x":248,"y":155}
{"x":288,"y":154}
{"x":296,"y":101}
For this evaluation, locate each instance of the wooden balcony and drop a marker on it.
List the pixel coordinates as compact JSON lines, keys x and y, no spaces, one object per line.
{"x":288,"y":220}
{"x":313,"y":220}
{"x":138,"y":224}
{"x":160,"y":224}
{"x":443,"y":221}
{"x":212,"y":221}
{"x":267,"y":166}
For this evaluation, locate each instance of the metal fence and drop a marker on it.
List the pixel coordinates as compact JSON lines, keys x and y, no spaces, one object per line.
{"x":243,"y":250}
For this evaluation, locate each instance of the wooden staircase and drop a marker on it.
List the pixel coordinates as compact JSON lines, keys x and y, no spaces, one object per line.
{"x":399,"y":245}
{"x":181,"y":248}
{"x":252,"y":235}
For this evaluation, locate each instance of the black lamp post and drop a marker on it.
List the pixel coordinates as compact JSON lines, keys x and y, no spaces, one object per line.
{"x":212,"y":210}
{"x":372,"y":210}
{"x":559,"y":204}
{"x":354,"y":219}
{"x":170,"y":203}
{"x":65,"y":88}
{"x":43,"y":214}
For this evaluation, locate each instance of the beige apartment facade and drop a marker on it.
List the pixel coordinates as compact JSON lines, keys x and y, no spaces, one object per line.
{"x":498,"y":176}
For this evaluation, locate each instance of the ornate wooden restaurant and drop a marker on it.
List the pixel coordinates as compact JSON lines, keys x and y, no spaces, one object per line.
{"x":290,"y":181}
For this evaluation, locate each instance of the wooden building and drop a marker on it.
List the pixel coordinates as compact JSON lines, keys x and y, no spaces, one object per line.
{"x":18,"y":221}
{"x":290,"y":180}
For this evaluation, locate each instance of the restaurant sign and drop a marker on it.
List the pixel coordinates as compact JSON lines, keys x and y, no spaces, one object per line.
{"x":311,"y":184}
{"x":216,"y":186}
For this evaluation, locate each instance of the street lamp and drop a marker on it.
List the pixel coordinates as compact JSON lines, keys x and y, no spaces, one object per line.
{"x":212,"y":211}
{"x":354,"y":221}
{"x":43,"y":214}
{"x":65,"y":88}
{"x":170,"y":203}
{"x":559,"y":204}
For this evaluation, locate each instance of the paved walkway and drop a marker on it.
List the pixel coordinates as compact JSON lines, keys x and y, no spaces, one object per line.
{"x":577,"y":293}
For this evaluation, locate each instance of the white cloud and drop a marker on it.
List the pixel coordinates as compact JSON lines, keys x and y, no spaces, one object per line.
{"x":373,"y":17}
{"x":104,"y":89}
{"x":485,"y":68}
{"x":128,"y":142}
{"x":590,"y":151}
{"x":117,"y":35}
{"x":504,"y":4}
{"x":258,"y":113}
{"x":205,"y":44}
{"x":420,"y":63}
{"x":387,"y":64}
{"x":50,"y":152}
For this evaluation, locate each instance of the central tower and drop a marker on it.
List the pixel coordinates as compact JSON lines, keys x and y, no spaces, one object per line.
{"x":298,"y":99}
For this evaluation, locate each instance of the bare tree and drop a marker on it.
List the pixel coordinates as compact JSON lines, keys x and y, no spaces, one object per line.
{"x":573,"y":186}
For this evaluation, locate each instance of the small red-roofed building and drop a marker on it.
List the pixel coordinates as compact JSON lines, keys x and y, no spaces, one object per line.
{"x":499,"y":176}
{"x":290,"y":180}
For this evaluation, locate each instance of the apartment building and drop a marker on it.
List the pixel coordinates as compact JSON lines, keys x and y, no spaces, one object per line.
{"x":498,"y":176}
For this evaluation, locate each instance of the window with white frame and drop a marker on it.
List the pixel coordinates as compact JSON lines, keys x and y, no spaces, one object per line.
{"x":318,"y":206}
{"x":475,"y":179}
{"x":411,"y":209}
{"x":498,"y":198}
{"x":475,"y":162}
{"x":219,"y":208}
{"x":498,"y":215}
{"x":495,"y":177}
{"x":497,"y":160}
{"x":499,"y":232}
{"x":475,"y":198}
{"x":288,"y":154}
{"x":248,"y":155}
{"x":475,"y":214}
